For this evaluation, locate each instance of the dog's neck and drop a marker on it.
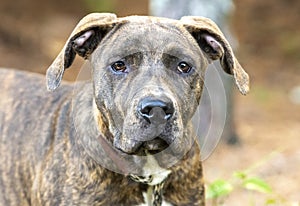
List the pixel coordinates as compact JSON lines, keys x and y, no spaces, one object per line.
{"x":154,"y":179}
{"x":153,"y":170}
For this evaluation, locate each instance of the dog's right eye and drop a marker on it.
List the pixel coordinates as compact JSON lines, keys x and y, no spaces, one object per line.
{"x":183,"y":67}
{"x":119,"y":66}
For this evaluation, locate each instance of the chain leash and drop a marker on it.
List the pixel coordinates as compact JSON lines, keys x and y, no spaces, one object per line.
{"x":157,"y":190}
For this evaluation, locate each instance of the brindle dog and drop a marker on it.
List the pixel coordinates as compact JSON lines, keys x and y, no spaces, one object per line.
{"x":92,"y":143}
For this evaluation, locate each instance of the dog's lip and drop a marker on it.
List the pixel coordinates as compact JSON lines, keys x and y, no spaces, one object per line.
{"x":155,"y":144}
{"x":144,"y":148}
{"x":152,"y":147}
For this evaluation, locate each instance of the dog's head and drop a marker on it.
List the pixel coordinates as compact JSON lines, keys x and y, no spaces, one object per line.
{"x":148,"y":73}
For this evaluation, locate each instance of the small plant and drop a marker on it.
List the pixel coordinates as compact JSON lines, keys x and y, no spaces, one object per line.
{"x":219,"y":189}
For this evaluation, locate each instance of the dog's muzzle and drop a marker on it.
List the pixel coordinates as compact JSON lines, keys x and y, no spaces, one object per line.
{"x":156,"y":112}
{"x":149,"y":128}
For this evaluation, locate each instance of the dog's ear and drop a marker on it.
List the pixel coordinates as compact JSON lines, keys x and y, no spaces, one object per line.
{"x":215,"y":46}
{"x":83,"y":41}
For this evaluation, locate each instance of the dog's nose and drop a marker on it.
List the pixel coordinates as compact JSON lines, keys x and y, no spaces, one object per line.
{"x":156,"y":111}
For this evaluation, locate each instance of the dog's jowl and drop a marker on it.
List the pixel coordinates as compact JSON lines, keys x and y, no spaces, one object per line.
{"x":123,"y":138}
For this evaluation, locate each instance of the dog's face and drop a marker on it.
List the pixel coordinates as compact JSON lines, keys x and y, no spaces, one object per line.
{"x":148,"y":75}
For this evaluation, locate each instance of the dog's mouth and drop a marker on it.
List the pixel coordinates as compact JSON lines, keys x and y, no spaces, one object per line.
{"x":152,"y":147}
{"x":144,"y":148}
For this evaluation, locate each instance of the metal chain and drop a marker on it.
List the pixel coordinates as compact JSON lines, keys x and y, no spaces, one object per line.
{"x":157,"y":194}
{"x":157,"y":190}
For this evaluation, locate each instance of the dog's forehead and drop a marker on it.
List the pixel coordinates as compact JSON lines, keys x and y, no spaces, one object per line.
{"x":149,"y":25}
{"x":142,"y":34}
{"x":149,"y":19}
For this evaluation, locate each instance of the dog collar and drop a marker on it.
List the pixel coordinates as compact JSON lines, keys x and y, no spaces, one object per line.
{"x":154,"y":192}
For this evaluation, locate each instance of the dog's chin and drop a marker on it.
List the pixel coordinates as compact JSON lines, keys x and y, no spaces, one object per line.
{"x":131,"y":161}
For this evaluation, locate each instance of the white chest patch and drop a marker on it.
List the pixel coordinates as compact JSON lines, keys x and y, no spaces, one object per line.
{"x":158,"y":175}
{"x":152,"y":168}
{"x":149,"y":203}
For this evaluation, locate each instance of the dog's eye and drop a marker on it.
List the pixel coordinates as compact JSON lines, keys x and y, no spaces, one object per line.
{"x":119,"y":66}
{"x":183,"y":67}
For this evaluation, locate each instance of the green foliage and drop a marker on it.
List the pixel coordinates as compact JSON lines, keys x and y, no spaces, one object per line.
{"x":256,"y":184}
{"x":252,"y":183}
{"x":240,"y":179}
{"x":218,"y":188}
{"x":100,"y":6}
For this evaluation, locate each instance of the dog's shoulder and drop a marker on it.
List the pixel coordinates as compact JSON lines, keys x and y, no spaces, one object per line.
{"x":18,"y":80}
{"x":25,"y":103}
{"x":21,"y":86}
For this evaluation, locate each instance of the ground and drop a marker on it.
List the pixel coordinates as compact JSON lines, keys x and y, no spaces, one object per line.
{"x":268,"y":121}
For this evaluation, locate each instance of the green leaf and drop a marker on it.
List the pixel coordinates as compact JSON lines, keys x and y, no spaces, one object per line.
{"x":218,"y":188}
{"x":271,"y":201}
{"x":240,"y":175}
{"x":257,"y":184}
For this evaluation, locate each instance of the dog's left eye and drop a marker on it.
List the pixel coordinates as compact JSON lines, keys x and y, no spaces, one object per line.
{"x":183,"y":67}
{"x":119,"y":66}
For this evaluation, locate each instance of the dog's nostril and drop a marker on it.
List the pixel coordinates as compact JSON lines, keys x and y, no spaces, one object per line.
{"x":156,"y":111}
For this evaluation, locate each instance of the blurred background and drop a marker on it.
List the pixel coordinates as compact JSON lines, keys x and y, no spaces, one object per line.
{"x":266,"y":122}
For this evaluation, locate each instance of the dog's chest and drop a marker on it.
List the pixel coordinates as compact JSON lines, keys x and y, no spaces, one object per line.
{"x":154,"y":176}
{"x":148,"y":199}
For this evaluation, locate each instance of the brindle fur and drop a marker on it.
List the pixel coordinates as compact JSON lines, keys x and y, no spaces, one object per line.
{"x":49,"y":146}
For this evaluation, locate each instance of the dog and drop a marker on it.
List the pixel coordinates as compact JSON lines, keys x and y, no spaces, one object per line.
{"x":123,"y":138}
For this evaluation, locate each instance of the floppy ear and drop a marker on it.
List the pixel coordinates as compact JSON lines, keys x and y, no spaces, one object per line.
{"x":215,"y":46}
{"x":83,"y":41}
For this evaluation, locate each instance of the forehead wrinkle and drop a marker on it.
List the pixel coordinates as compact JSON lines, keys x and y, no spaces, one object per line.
{"x":145,"y":37}
{"x":136,"y":37}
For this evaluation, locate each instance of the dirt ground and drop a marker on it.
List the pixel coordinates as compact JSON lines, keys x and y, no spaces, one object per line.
{"x":268,"y":121}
